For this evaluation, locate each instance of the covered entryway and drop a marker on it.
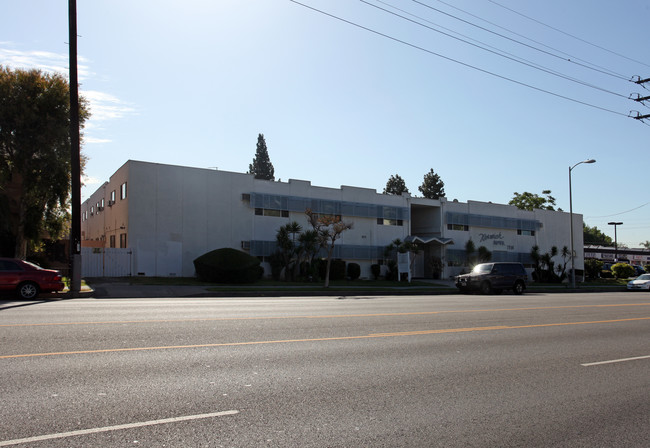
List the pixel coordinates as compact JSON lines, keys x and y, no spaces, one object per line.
{"x":430,"y":259}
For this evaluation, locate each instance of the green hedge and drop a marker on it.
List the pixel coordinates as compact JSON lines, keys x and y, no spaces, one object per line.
{"x":623,"y":270}
{"x":337,"y":269}
{"x":228,"y":266}
{"x":354,"y":271}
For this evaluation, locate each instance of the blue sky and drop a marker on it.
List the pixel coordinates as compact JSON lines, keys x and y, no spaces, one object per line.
{"x":194,"y":82}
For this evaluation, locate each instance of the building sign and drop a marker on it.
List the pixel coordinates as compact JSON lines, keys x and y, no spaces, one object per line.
{"x":497,"y":240}
{"x":404,"y":265}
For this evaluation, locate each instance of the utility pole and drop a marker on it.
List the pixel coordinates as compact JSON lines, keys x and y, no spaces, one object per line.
{"x":75,"y":153}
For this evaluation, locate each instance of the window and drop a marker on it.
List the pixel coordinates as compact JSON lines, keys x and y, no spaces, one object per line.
{"x":525,"y":232}
{"x":8,"y":265}
{"x":272,"y":212}
{"x":122,"y":240}
{"x":111,"y":241}
{"x":113,"y":196}
{"x":102,"y":203}
{"x":123,"y":191}
{"x":390,"y":222}
{"x":459,"y":227}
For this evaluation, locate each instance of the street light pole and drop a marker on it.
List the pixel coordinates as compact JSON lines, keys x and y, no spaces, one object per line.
{"x":615,"y":239}
{"x":573,"y":268}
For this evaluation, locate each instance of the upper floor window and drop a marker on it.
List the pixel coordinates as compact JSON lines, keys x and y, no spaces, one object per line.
{"x":123,"y":191}
{"x":271,"y":212}
{"x":526,"y":232}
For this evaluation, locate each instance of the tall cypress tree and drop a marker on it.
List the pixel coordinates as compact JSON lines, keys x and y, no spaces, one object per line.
{"x":262,"y":167}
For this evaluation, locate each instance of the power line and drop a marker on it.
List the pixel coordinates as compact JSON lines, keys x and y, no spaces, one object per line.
{"x":518,"y":42}
{"x":498,"y":53}
{"x":572,"y":58}
{"x":455,"y":60}
{"x":568,"y":34}
{"x":617,"y":214}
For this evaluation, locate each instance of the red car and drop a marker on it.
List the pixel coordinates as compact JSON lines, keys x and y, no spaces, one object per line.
{"x":26,"y":279}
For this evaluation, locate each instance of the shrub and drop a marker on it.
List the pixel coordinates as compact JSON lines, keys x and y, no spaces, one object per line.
{"x":623,"y":270}
{"x":375,"y":269}
{"x":593,"y":268}
{"x":391,"y":274}
{"x":354,"y":271}
{"x":275,"y":260}
{"x":228,"y":266}
{"x":337,"y":269}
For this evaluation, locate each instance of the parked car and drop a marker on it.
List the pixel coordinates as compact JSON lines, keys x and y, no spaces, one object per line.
{"x":26,"y":279}
{"x":494,"y":278}
{"x":639,"y":269}
{"x":642,"y":282}
{"x":606,"y":272}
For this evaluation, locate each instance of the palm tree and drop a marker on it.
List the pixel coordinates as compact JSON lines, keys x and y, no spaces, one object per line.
{"x":308,"y":247}
{"x":470,"y":248}
{"x":286,"y":239}
{"x":535,"y":256}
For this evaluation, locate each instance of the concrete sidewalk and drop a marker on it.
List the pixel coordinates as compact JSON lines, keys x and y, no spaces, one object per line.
{"x":123,"y":290}
{"x":120,"y":289}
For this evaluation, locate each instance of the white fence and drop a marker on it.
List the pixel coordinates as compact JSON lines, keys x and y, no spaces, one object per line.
{"x":106,"y":262}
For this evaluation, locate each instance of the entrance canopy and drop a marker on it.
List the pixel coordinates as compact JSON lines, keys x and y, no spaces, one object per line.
{"x":428,"y":239}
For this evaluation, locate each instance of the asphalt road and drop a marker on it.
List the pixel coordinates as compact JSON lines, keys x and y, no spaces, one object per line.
{"x":551,"y":370}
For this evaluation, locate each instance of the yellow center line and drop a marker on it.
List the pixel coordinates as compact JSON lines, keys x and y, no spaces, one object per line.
{"x":338,"y":338}
{"x":324,"y":316}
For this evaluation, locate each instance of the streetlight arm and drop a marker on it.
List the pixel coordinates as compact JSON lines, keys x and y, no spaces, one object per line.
{"x":573,"y":268}
{"x":584,"y":161}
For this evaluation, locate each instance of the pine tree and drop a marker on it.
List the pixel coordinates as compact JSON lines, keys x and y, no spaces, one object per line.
{"x":432,"y":187}
{"x":395,"y":185}
{"x":262,"y":167}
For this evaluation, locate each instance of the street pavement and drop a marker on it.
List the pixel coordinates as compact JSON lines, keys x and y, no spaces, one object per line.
{"x":538,"y":370}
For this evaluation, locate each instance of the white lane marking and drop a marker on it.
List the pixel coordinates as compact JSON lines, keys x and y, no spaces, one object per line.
{"x":81,"y":432}
{"x":614,"y":360}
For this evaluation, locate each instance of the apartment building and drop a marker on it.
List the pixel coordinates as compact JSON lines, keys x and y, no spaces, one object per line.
{"x":169,"y":215}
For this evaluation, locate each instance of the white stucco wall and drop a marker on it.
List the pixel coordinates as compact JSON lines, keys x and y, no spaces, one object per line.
{"x":554,"y":230}
{"x":173,"y":214}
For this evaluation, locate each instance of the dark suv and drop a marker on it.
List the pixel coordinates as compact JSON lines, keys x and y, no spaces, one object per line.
{"x":494,"y":278}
